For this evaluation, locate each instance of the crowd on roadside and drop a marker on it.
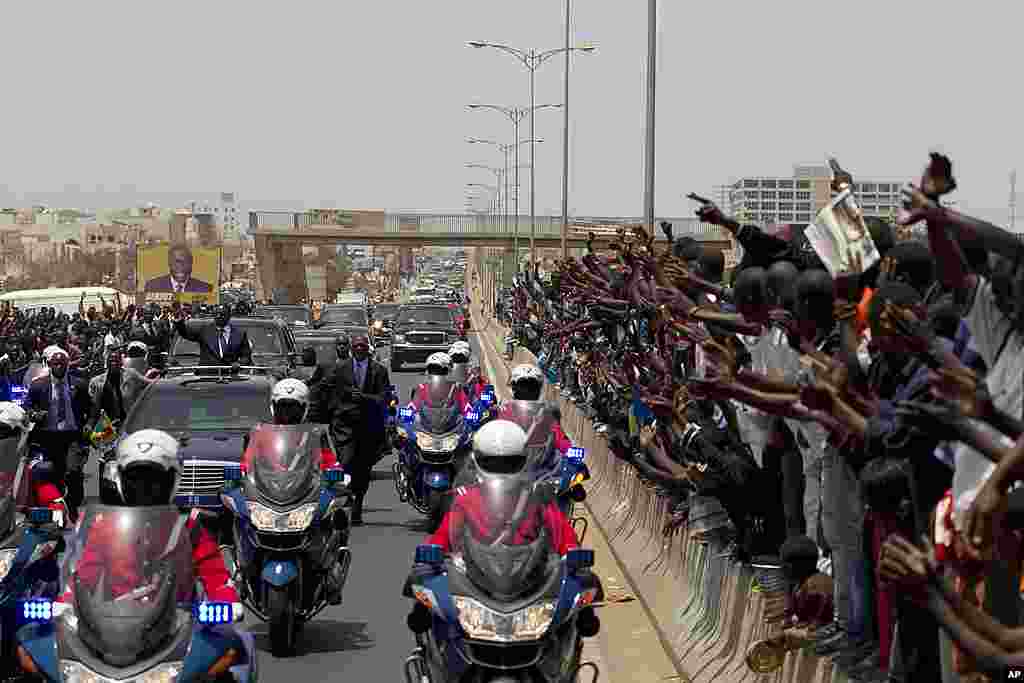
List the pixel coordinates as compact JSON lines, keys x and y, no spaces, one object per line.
{"x":860,"y":426}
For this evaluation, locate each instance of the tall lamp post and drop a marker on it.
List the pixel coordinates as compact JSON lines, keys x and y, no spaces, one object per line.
{"x":515,"y":115}
{"x":505,"y":149}
{"x":532,"y":60}
{"x":497,"y":178}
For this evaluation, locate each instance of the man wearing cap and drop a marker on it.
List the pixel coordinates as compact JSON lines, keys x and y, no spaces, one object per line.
{"x":65,"y":401}
{"x":355,"y":400}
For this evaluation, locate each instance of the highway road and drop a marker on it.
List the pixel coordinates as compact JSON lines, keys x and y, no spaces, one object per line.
{"x":364,"y":638}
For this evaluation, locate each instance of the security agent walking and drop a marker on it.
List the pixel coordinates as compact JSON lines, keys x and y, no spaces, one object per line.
{"x":353,"y":400}
{"x":65,"y":400}
{"x":220,"y":343}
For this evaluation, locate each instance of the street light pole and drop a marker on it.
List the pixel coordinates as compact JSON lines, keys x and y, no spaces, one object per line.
{"x":565,"y":134}
{"x":533,"y":167}
{"x":652,"y":58}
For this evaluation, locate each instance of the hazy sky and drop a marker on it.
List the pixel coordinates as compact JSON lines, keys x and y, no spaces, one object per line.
{"x":362,"y":104}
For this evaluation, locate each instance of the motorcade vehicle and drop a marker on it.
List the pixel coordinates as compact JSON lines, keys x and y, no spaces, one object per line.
{"x":420,"y":330}
{"x":209,"y":411}
{"x":296,"y":317}
{"x":67,"y":299}
{"x":344,"y":315}
{"x":151,"y":621}
{"x":501,"y":606}
{"x":289,"y":528}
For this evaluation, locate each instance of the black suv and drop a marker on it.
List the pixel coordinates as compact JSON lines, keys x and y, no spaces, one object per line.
{"x":273,"y":344}
{"x":296,"y":317}
{"x":421,"y":330}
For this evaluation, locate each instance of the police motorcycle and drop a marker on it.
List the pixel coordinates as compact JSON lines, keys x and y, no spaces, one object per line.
{"x":566,"y":475}
{"x":432,"y":443}
{"x":290,"y":531}
{"x":30,"y":537}
{"x":501,"y":605}
{"x":131,"y":609}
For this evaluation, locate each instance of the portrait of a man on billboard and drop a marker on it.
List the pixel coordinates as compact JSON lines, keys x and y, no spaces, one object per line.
{"x":179,"y":277}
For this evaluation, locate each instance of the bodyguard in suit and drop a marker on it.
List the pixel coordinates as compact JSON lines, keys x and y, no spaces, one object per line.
{"x":220,"y":343}
{"x":66,"y":403}
{"x":115,"y":391}
{"x":356,"y":397}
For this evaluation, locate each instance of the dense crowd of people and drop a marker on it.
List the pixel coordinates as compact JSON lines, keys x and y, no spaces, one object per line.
{"x":862,"y":421}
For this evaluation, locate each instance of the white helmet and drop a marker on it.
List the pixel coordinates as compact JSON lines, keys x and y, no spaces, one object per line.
{"x":150,"y":447}
{"x":290,"y":390}
{"x":13,"y":416}
{"x":439,"y":360}
{"x":460,"y":347}
{"x":526,"y":371}
{"x":499,"y":449}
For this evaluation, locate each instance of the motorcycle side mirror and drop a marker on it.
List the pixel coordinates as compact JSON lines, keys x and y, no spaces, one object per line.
{"x":579,"y":558}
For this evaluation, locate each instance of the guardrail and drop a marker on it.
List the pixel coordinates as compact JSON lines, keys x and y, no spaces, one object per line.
{"x":472,"y":224}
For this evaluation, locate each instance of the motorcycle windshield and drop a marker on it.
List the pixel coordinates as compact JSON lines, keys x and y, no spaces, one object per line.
{"x":497,"y":526}
{"x":130,"y":572}
{"x":459,"y":373}
{"x":537,"y":418}
{"x":439,"y":413}
{"x":283,"y":461}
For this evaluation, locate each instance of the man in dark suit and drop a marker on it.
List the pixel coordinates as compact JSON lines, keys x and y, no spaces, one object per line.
{"x":179,"y":274}
{"x":355,"y":404}
{"x":66,"y":402}
{"x":321,"y":383}
{"x":220,"y":343}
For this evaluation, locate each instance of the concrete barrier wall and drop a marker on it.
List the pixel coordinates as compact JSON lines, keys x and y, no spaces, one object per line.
{"x":708,"y":610}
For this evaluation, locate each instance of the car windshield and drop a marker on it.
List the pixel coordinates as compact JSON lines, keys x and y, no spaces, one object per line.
{"x":382,"y":311}
{"x":287,"y":314}
{"x":355,"y":316}
{"x":324,"y":348}
{"x":202,"y":404}
{"x":435,"y":316}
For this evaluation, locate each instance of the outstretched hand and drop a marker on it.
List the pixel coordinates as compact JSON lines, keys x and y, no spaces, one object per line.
{"x":708,"y":212}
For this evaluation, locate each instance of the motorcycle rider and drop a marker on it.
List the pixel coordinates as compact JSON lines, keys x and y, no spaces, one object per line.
{"x":499,"y":455}
{"x":527,"y":383}
{"x":289,"y":405}
{"x":14,"y":424}
{"x":147,"y":474}
{"x":468,"y":373}
{"x":438,"y":365}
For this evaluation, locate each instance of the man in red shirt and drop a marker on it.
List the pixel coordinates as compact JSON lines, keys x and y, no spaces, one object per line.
{"x":438,"y":366}
{"x":289,"y":405}
{"x":500,"y":462}
{"x":527,"y":383}
{"x":147,"y":464}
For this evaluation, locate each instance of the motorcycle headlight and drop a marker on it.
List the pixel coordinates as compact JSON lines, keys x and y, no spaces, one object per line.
{"x":6,"y":561}
{"x":482,"y":623}
{"x":76,"y":672}
{"x":425,"y":441}
{"x":450,"y":442}
{"x":265,"y":519}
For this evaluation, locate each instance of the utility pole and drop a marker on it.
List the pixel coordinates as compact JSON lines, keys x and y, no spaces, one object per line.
{"x":1013,"y":200}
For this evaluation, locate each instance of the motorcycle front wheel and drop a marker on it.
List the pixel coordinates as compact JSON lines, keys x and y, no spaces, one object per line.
{"x":281,"y":619}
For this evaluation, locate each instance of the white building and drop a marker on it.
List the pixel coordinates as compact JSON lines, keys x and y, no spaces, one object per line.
{"x":798,"y":198}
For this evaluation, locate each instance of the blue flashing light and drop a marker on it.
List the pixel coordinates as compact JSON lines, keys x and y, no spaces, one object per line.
{"x":487,"y":397}
{"x":577,"y":453}
{"x":232,"y":473}
{"x":407,"y":414}
{"x":429,"y":554}
{"x":334,"y":475}
{"x":40,"y":516}
{"x":579,"y":558}
{"x":472,"y":416}
{"x":37,"y":609}
{"x":214,"y":613}
{"x":19,"y":394}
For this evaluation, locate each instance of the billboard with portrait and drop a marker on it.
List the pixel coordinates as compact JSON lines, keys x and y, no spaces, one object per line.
{"x":175,"y":272}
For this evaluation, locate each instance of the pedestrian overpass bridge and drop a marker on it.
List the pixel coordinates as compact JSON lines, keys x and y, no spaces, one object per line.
{"x":280,"y":236}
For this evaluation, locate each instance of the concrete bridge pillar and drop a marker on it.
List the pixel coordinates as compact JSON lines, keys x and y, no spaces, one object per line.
{"x":282,"y":270}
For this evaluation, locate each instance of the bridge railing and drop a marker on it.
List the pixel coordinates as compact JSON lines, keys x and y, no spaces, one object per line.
{"x":476,"y":225}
